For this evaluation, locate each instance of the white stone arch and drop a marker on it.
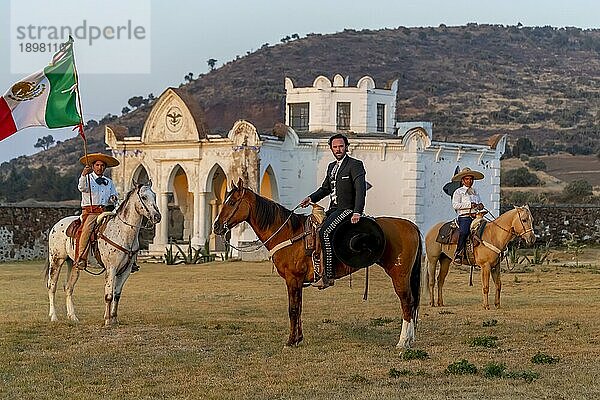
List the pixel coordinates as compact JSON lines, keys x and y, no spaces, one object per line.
{"x":366,"y":82}
{"x":140,"y":174}
{"x":321,"y":82}
{"x":170,"y":120}
{"x":416,"y":139}
{"x":291,"y":139}
{"x":268,"y":185}
{"x":182,"y":201}
{"x":339,"y":81}
{"x":216,"y":188}
{"x":243,"y":133}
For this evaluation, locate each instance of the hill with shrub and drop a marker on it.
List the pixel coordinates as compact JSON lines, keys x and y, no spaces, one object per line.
{"x":539,"y":83}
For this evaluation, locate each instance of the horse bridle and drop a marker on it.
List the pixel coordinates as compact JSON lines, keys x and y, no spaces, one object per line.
{"x":148,"y":226}
{"x":235,"y":208}
{"x":512,"y":230}
{"x":245,"y":250}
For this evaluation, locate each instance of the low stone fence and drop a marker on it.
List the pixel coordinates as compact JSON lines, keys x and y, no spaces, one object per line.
{"x":555,"y":224}
{"x":24,"y":230}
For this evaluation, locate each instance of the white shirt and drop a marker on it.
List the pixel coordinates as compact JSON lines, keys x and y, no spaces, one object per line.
{"x":334,"y":171}
{"x":100,"y":193}
{"x":462,"y":199}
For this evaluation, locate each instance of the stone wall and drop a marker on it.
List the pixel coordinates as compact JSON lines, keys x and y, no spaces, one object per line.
{"x":24,"y":230}
{"x":556,"y":223}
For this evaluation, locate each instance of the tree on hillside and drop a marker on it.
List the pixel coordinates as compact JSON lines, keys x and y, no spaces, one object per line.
{"x":125,"y":110}
{"x":189,"y":77}
{"x":44,"y":142}
{"x":523,"y":146}
{"x":211,"y":63}
{"x":519,"y":177}
{"x":135,"y":101}
{"x":578,"y":189}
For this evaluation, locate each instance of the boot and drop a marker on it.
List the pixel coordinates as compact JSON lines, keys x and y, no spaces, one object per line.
{"x":134,"y":268}
{"x":458,"y":257}
{"x":324,"y":283}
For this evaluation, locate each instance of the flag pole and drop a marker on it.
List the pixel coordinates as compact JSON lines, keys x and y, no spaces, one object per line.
{"x":80,"y":126}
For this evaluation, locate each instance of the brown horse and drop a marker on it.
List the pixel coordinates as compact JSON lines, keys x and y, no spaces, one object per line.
{"x":517,"y":222}
{"x":275,"y":225}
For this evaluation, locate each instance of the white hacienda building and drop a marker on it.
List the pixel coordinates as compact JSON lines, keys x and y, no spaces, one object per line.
{"x":190,"y":166}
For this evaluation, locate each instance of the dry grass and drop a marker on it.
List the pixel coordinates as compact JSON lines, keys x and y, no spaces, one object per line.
{"x":217,"y":331}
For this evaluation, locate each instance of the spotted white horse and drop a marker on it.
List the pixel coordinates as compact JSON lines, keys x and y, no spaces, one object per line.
{"x":117,"y":247}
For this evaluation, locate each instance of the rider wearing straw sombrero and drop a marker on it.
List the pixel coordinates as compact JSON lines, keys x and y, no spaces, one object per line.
{"x":97,"y":192}
{"x":466,"y":202}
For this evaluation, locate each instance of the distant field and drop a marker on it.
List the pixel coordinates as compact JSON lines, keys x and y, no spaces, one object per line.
{"x":569,"y":168}
{"x":561,"y":169}
{"x":216,"y":331}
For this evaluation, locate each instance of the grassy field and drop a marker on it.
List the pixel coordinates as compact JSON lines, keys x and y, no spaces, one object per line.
{"x":216,"y":331}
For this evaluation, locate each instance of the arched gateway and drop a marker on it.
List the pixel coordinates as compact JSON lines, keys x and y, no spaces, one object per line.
{"x":191,"y":165}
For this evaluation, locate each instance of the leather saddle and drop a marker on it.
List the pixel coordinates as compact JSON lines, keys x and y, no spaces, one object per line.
{"x":448,"y":233}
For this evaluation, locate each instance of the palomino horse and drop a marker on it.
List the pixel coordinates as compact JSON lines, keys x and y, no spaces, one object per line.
{"x":117,"y":246}
{"x":274,"y":225}
{"x":517,"y":222}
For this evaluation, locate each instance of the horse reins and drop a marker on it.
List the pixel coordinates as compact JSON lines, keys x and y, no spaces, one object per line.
{"x":130,"y":252}
{"x":261,"y":244}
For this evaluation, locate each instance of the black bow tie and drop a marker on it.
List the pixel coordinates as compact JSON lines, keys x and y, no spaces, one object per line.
{"x":101,"y":180}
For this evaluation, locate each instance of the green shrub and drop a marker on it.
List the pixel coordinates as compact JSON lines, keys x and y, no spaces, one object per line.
{"x":484,"y":341}
{"x":527,"y":376}
{"x":462,"y":367}
{"x":493,"y":370}
{"x":537,"y":164}
{"x":414,"y":354}
{"x":541,"y":358}
{"x":578,"y":189}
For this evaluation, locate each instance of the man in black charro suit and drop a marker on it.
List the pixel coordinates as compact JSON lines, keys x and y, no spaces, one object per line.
{"x":346,"y":186}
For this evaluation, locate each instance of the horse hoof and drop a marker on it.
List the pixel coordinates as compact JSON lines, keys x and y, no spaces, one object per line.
{"x":73,"y":318}
{"x":53,"y":318}
{"x":403,"y":345}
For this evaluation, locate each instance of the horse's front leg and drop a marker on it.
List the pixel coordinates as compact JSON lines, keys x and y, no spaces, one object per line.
{"x":119,"y":283}
{"x":109,"y":295}
{"x":294,"y":288}
{"x":497,"y":283}
{"x":485,"y":285}
{"x":444,"y":268}
{"x":54,"y":266}
{"x":69,"y":287}
{"x":431,"y":267}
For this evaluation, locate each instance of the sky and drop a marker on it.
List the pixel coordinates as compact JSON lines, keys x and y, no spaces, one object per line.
{"x":161,"y":41}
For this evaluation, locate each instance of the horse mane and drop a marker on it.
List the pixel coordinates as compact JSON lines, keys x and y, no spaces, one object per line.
{"x":269,"y":212}
{"x":126,"y":199}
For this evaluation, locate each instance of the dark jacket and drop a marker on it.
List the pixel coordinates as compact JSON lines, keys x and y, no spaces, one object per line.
{"x":350,"y":186}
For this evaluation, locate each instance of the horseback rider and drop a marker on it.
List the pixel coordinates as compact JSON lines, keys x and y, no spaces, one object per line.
{"x":467,"y":203}
{"x":97,"y":193}
{"x":346,"y":186}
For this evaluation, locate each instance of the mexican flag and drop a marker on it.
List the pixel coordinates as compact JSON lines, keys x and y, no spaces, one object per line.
{"x":47,"y":98}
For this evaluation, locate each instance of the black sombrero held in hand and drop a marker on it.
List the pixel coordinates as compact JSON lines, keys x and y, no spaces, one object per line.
{"x":467,"y":172}
{"x":358,"y":245}
{"x":110,"y":161}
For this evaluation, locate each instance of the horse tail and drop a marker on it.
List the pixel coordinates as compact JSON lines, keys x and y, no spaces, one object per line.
{"x":415,"y":280}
